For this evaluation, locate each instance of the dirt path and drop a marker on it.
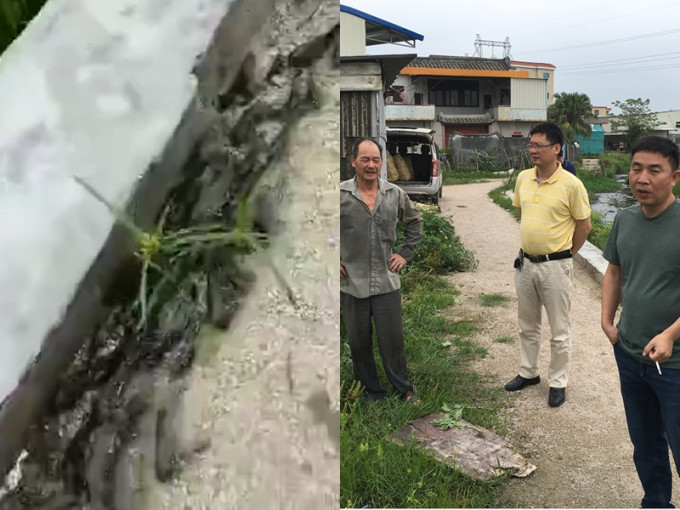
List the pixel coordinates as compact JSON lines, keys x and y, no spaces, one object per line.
{"x":581,"y":449}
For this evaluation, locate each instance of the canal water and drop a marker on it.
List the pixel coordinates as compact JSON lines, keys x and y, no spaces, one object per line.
{"x":609,"y":203}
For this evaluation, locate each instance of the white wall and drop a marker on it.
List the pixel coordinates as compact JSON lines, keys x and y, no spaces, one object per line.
{"x":528,"y":93}
{"x":91,"y":89}
{"x":352,"y":35}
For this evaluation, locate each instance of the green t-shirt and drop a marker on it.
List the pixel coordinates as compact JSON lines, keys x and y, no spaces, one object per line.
{"x":648,"y":252}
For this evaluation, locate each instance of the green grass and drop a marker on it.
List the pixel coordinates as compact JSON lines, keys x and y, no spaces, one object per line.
{"x":502,"y":200}
{"x":494,"y":299}
{"x":375,"y":471}
{"x":596,"y":183}
{"x":504,"y":340}
{"x":458,"y":177}
{"x":615,"y":163}
{"x":600,"y":230}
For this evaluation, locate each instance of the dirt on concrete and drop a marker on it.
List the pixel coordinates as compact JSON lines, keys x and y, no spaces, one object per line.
{"x":582,"y":449}
{"x":263,"y":410}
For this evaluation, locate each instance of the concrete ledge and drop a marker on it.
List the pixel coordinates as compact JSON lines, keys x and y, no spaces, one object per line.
{"x":590,"y":257}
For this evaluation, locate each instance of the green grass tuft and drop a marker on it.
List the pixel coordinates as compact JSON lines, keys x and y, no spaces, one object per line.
{"x":494,"y":299}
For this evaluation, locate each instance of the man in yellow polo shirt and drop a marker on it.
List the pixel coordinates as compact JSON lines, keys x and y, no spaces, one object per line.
{"x":555,"y":223}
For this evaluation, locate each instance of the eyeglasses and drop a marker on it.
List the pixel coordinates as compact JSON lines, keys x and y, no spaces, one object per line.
{"x":538,"y":146}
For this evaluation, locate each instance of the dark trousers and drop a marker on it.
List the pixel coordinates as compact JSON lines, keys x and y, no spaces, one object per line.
{"x":385,"y":309}
{"x":652,"y":404}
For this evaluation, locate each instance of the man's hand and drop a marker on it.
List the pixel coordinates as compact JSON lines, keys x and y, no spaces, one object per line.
{"x":396,"y":262}
{"x":612,"y":332}
{"x":659,"y":348}
{"x":343,"y":271}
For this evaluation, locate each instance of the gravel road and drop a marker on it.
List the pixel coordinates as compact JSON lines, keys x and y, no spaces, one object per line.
{"x":582,"y":449}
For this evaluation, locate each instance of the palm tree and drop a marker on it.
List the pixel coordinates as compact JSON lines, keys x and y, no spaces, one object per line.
{"x":570,"y":111}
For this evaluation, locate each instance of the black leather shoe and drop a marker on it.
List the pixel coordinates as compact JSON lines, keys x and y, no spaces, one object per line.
{"x":519,"y":383}
{"x":556,"y":397}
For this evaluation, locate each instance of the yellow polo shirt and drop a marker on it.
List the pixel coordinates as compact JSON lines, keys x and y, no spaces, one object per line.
{"x":549,"y":210}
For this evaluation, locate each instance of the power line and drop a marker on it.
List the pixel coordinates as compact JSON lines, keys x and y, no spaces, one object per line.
{"x":623,"y":70}
{"x":609,"y":41}
{"x":608,"y":19}
{"x":627,"y":60}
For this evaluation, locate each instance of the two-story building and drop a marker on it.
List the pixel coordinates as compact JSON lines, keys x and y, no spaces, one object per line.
{"x":470,"y":95}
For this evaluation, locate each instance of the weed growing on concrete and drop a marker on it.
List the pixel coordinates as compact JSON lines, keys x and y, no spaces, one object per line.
{"x":171,"y":247}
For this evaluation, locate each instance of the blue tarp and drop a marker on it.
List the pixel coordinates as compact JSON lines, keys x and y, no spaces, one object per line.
{"x":594,"y":144}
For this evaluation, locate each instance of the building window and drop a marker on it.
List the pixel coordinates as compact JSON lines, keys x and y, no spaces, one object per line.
{"x":418,"y":98}
{"x":453,"y":93}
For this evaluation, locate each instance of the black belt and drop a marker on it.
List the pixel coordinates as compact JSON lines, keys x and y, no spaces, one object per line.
{"x":565,"y":254}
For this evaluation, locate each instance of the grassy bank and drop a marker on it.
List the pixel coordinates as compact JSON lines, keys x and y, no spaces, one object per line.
{"x":374,"y":470}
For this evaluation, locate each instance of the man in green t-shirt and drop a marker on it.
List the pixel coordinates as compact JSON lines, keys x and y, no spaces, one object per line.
{"x":643,"y":251}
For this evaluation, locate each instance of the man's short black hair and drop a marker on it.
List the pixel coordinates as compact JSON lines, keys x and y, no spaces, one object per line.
{"x":551,"y":131}
{"x":355,"y":146}
{"x":667,"y":148}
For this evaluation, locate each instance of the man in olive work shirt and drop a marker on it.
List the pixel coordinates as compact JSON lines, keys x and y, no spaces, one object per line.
{"x":643,"y":250}
{"x":369,"y":281}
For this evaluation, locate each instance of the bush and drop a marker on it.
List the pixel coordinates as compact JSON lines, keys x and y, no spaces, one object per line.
{"x":600,"y":231}
{"x":596,"y":183}
{"x":440,"y":251}
{"x":615,"y":163}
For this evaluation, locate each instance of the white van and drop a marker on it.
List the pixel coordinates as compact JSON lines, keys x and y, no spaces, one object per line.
{"x":413,"y":162}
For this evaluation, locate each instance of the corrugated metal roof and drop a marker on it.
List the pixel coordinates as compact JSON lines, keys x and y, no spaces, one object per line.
{"x":484,"y":118}
{"x":467,"y":63}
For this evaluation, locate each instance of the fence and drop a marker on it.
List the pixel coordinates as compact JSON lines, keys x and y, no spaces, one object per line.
{"x":510,"y":152}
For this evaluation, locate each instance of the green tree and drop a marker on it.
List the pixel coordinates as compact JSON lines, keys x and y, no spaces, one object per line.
{"x":635,"y":119}
{"x":570,"y":111}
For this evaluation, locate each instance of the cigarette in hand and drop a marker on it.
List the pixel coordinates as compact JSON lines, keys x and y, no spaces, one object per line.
{"x":658,"y":368}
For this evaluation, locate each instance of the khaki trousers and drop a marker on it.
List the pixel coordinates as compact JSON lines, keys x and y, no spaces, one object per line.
{"x":545,"y":284}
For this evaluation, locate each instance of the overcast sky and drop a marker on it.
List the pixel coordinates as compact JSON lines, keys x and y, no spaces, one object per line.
{"x":608,"y":49}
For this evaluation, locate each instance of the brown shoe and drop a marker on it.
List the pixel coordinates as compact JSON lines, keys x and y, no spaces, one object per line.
{"x":409,"y":396}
